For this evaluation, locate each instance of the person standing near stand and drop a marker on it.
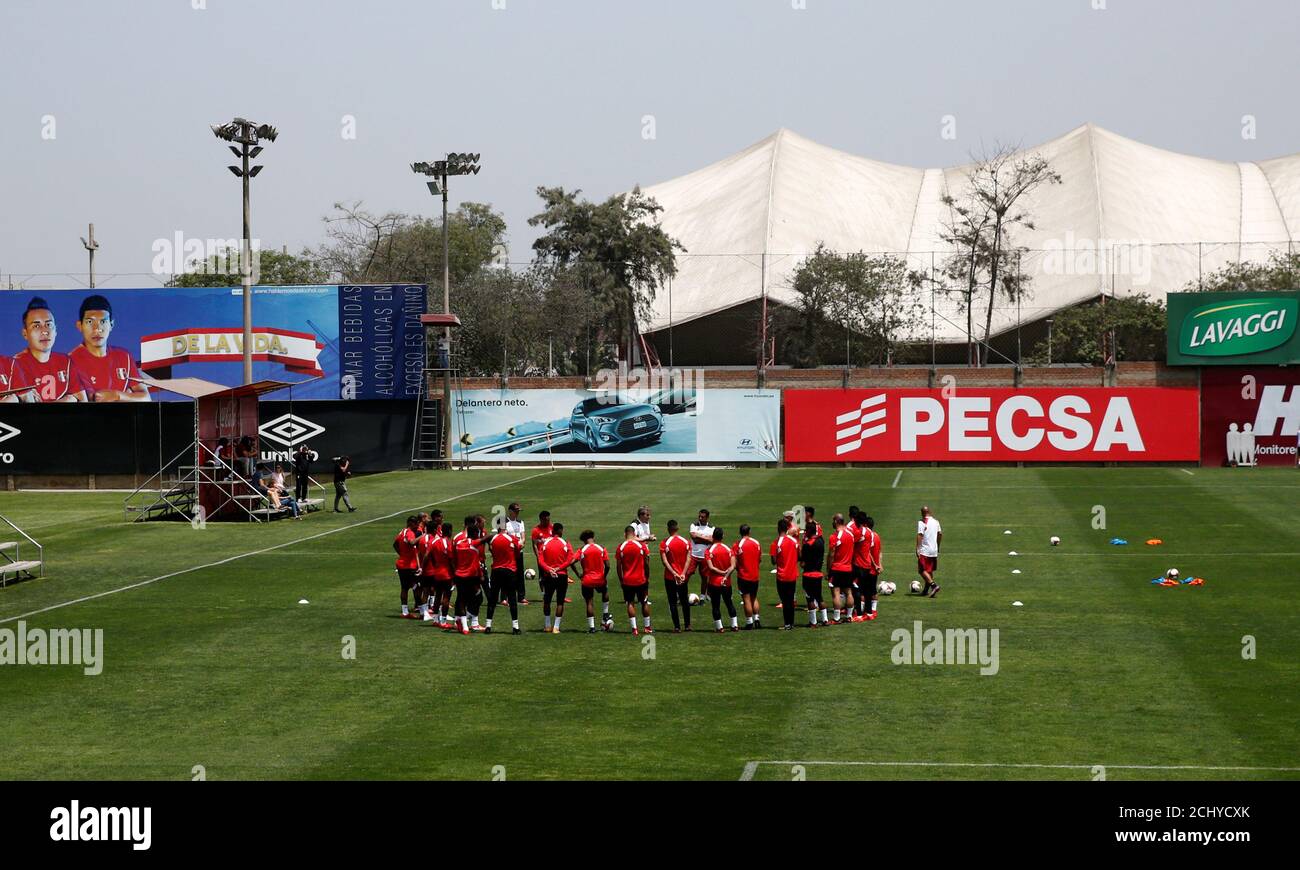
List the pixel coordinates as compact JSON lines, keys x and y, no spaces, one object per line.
{"x":342,"y":471}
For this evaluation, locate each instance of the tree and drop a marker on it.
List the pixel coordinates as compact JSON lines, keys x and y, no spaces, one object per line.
{"x":856,"y":304}
{"x":367,"y":248}
{"x":616,"y":249}
{"x":1140,"y":324}
{"x":1280,"y":272}
{"x":272,"y":267}
{"x":981,"y":225}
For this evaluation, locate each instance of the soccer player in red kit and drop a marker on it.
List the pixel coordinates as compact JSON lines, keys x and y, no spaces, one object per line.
{"x":839,"y":555}
{"x":49,"y":374}
{"x":467,"y":573}
{"x":675,"y":551}
{"x":435,"y":569}
{"x":108,"y":373}
{"x":719,"y":563}
{"x":506,"y":550}
{"x":632,"y":556}
{"x":749,"y":560}
{"x":873,"y":567}
{"x":536,"y":537}
{"x":785,"y":556}
{"x":593,"y":563}
{"x":554,"y":556}
{"x":408,"y":560}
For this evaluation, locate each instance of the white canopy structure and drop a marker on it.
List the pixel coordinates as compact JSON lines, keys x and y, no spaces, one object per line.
{"x":1159,"y":218}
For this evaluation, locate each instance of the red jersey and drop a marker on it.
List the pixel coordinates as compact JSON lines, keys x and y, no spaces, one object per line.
{"x":594,"y":561}
{"x":785,"y":553}
{"x":539,"y":536}
{"x":505,"y":549}
{"x":749,"y":557}
{"x":467,"y":557}
{"x":719,"y":554}
{"x":6,"y":376}
{"x":631,"y":558}
{"x":52,"y":379}
{"x":408,"y":557}
{"x":108,"y":372}
{"x":842,"y":550}
{"x":675,"y":551}
{"x":436,"y":562}
{"x":876,"y":565}
{"x":862,"y":546}
{"x":555,"y":555}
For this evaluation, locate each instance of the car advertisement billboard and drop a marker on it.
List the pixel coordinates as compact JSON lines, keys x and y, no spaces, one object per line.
{"x":970,"y":424}
{"x":1250,"y":416}
{"x":674,"y":425}
{"x":1232,"y":329}
{"x":341,"y":341}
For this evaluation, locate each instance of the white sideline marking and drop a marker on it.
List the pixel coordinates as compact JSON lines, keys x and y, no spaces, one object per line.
{"x":1186,"y":472}
{"x":751,"y":767}
{"x":897,"y":478}
{"x":270,"y":549}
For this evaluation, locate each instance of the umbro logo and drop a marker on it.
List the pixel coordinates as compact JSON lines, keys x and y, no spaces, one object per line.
{"x":288,"y":430}
{"x":854,"y":428}
{"x":7,"y":432}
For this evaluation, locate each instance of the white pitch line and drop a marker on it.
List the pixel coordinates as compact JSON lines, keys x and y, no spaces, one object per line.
{"x":1186,"y":472}
{"x":270,"y":549}
{"x":897,"y":478}
{"x":751,"y":767}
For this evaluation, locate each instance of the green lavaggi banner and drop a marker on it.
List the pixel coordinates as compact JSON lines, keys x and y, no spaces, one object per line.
{"x":1221,"y":329}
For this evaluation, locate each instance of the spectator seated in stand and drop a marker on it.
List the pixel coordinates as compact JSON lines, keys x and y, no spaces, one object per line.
{"x":265,"y":485}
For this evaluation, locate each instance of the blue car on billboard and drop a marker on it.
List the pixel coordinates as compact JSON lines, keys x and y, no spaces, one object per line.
{"x":615,"y":423}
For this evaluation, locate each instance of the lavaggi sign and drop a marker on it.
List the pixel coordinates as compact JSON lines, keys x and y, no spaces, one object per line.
{"x":1232,"y":328}
{"x":672,"y":425}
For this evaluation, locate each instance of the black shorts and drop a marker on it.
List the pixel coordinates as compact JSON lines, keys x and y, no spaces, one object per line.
{"x":555,"y":583}
{"x":632,"y":593}
{"x":860,"y":576}
{"x":873,"y":581}
{"x":812,"y":587}
{"x":408,"y":578}
{"x":748,"y":587}
{"x":442,"y":587}
{"x":842,"y":579}
{"x":588,"y":592}
{"x":504,"y":578}
{"x":468,"y":585}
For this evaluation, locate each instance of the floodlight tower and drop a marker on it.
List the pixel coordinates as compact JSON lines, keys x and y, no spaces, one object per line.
{"x":247,"y":135}
{"x":440,"y":171}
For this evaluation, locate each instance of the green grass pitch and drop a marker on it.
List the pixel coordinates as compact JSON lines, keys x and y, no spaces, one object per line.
{"x":221,"y":667}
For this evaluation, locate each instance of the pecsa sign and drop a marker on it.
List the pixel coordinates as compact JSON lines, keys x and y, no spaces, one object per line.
{"x":1089,"y":424}
{"x":1238,"y":328}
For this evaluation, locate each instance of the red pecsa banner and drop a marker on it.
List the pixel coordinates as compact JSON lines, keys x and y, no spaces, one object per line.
{"x":972,"y":424}
{"x":1250,"y":416}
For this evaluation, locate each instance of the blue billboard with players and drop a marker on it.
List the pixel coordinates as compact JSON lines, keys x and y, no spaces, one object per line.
{"x":351,"y":342}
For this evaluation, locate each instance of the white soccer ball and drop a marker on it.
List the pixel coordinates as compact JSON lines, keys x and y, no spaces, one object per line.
{"x":887,"y":588}
{"x":916,"y":587}
{"x":1172,"y":574}
{"x":1056,"y":542}
{"x":693,"y":599}
{"x":530,"y":574}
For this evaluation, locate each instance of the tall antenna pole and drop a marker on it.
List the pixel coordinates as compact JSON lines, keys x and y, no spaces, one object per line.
{"x":91,"y":247}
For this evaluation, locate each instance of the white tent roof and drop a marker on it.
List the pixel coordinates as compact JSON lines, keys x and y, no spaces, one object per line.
{"x":747,"y":221}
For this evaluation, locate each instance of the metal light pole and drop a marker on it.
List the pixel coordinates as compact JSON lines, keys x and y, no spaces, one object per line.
{"x":441,"y":170}
{"x":91,"y":247}
{"x":246,"y":134}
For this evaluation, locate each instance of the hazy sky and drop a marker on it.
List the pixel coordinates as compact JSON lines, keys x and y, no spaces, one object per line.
{"x":554,"y":92}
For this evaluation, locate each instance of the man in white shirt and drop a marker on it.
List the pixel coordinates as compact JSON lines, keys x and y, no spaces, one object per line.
{"x":929,"y":535}
{"x":701,"y":540}
{"x":514,"y":525}
{"x":641,"y":528}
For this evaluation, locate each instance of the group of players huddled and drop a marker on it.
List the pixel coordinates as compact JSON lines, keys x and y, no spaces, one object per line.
{"x":478,"y":563}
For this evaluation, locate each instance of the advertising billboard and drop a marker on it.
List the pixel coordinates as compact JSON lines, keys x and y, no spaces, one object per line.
{"x":1232,"y":329}
{"x":691,"y":425}
{"x":975,"y":424}
{"x":341,"y":341}
{"x":1250,"y":416}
